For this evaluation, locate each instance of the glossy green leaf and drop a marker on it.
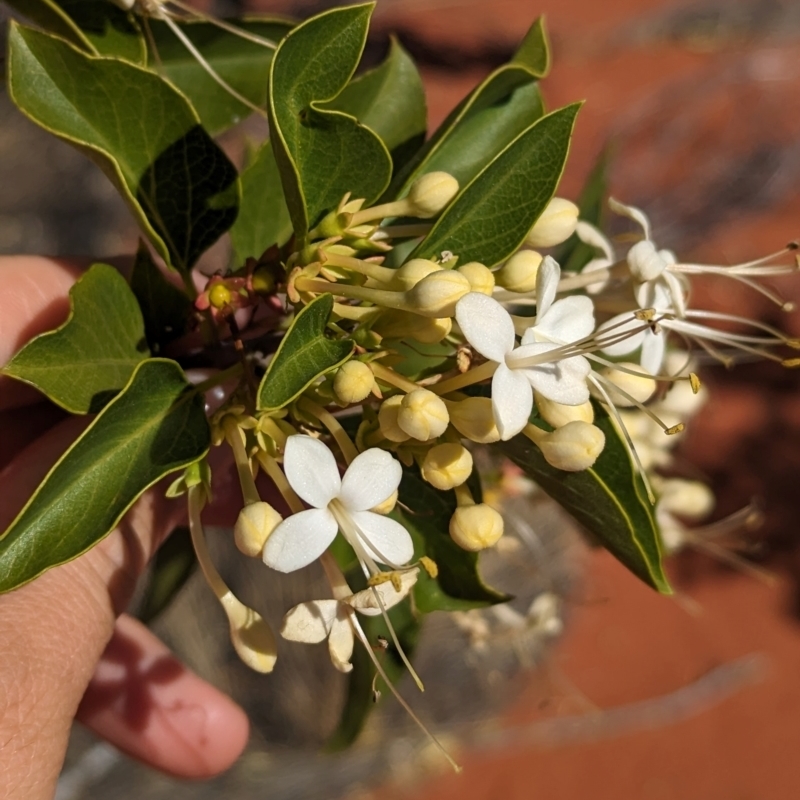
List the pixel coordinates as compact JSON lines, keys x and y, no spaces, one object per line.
{"x":172,"y":566}
{"x":425,"y":513}
{"x":609,"y":499}
{"x":390,"y":100}
{"x":322,"y":154}
{"x":155,"y":426}
{"x":263,"y":216}
{"x":490,"y":217}
{"x":505,"y":104}
{"x":110,"y":30}
{"x":166,"y":308}
{"x":242,"y":64}
{"x":84,"y":363}
{"x":304,"y":354}
{"x":181,"y":187}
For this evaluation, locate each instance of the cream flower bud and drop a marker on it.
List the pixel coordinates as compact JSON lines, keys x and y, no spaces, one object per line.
{"x":387,"y":419}
{"x":476,"y":527}
{"x":437,"y":294}
{"x":412,"y":272}
{"x":558,"y":415}
{"x":640,"y":387}
{"x":430,"y":193}
{"x":394,"y":324}
{"x":556,"y":224}
{"x":423,"y":415}
{"x":353,"y":382}
{"x":481,"y":278}
{"x":574,"y":447}
{"x":251,"y":636}
{"x":474,"y":419}
{"x":519,"y":273}
{"x":447,"y":465}
{"x":387,"y":506}
{"x":689,"y":499}
{"x":255,"y":523}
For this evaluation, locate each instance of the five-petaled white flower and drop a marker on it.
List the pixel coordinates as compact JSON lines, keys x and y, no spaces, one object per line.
{"x":338,"y":503}
{"x":544,"y":362}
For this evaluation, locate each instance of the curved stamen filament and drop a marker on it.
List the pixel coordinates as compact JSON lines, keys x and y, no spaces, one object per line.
{"x":339,"y":434}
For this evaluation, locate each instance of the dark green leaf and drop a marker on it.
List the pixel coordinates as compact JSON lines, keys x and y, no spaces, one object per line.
{"x":110,"y":30}
{"x":143,"y":134}
{"x":84,"y":363}
{"x":609,"y":500}
{"x":242,"y":64}
{"x":263,"y":217}
{"x":49,"y":15}
{"x":165,"y":308}
{"x":172,"y":566}
{"x":303,"y":355}
{"x":487,"y":120}
{"x":390,"y":100}
{"x":155,"y":426}
{"x":490,"y":217}
{"x":322,"y":154}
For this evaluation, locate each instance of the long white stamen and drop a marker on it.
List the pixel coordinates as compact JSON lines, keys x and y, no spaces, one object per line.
{"x":225,"y":26}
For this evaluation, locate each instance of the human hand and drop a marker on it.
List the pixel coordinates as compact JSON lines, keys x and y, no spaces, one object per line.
{"x":67,"y":649}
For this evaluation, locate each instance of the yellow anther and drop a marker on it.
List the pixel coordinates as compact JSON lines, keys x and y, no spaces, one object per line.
{"x":694,"y":382}
{"x":791,"y":362}
{"x":678,"y":428}
{"x":429,"y":565}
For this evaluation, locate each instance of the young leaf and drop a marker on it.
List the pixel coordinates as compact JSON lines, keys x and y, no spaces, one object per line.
{"x":155,"y":426}
{"x":263,"y":217}
{"x":426,"y":513}
{"x":490,"y":217}
{"x":172,"y":566}
{"x":84,"y":363}
{"x":609,"y":500}
{"x":242,"y":64}
{"x":390,"y":100}
{"x":181,"y":187}
{"x":303,"y":355}
{"x":165,"y":308}
{"x":322,"y":154}
{"x":487,"y":120}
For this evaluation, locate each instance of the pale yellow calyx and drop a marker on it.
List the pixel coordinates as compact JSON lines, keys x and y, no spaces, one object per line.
{"x":476,"y":527}
{"x":254,"y":525}
{"x":251,"y":637}
{"x":387,"y":506}
{"x":437,"y":294}
{"x":519,"y":273}
{"x":481,"y":278}
{"x":387,"y":419}
{"x":555,"y":225}
{"x":394,"y":324}
{"x":412,"y":272}
{"x":558,"y":415}
{"x":573,"y":448}
{"x":473,"y":419}
{"x":423,"y":415}
{"x":628,"y":384}
{"x":446,"y":466}
{"x":353,"y":382}
{"x":430,"y":193}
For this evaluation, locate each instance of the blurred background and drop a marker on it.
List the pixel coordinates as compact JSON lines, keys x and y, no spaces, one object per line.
{"x":640,"y":697}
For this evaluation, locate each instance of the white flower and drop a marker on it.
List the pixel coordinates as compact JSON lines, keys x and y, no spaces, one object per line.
{"x":541,"y":362}
{"x":338,"y":504}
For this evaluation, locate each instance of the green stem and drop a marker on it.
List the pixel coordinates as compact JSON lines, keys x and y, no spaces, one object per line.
{"x":234,"y":436}
{"x":221,"y":377}
{"x":391,"y":377}
{"x":381,"y":297}
{"x":275,"y":474}
{"x":468,"y":378}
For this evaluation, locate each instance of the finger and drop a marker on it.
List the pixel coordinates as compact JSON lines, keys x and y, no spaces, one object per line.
{"x":145,"y":702}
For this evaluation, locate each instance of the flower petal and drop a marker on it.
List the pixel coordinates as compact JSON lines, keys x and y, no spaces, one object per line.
{"x":341,"y":640}
{"x":366,"y":601}
{"x":632,"y":213}
{"x":547,"y":279}
{"x":590,"y":235}
{"x":311,"y":470}
{"x":616,"y":327}
{"x":512,"y":401}
{"x":653,"y":348}
{"x":562,"y":381}
{"x":372,"y":478}
{"x":567,"y":320}
{"x":385,"y":539}
{"x":310,"y":622}
{"x":486,"y":325}
{"x":300,"y":539}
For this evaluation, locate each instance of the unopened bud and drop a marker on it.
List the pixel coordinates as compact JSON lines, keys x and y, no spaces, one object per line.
{"x":437,"y":294}
{"x":387,"y":419}
{"x":387,"y":506}
{"x":558,"y":415}
{"x":473,"y":418}
{"x":353,"y":382}
{"x":423,"y":415}
{"x":519,"y":273}
{"x":640,"y":386}
{"x":574,"y":447}
{"x":476,"y":527}
{"x":394,"y":324}
{"x":412,"y":272}
{"x":645,"y":262}
{"x":555,"y":225}
{"x":446,"y":466}
{"x":689,"y":499}
{"x":255,"y":523}
{"x":430,"y":193}
{"x":481,"y":278}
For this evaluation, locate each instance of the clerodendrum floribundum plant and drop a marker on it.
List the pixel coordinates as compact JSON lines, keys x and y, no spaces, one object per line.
{"x":387,"y":311}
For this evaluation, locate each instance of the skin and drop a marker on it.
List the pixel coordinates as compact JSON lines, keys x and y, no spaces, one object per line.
{"x":67,"y":650}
